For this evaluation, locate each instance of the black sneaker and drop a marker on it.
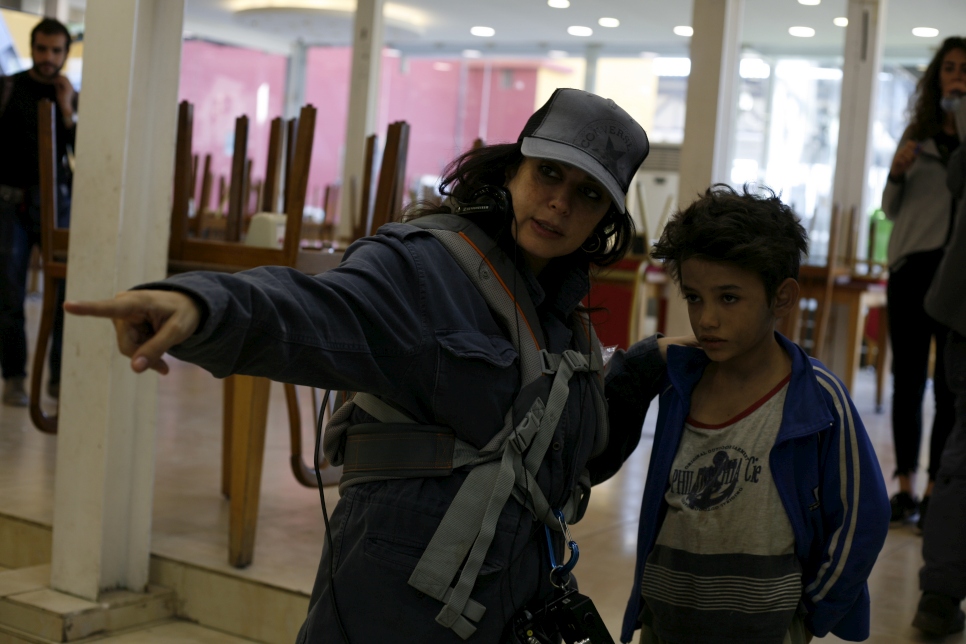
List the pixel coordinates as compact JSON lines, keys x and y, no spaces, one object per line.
{"x":939,"y":615}
{"x":903,"y":507}
{"x":923,"y":506}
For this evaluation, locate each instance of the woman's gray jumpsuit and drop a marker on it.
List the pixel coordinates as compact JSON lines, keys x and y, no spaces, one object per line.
{"x":399,"y":319}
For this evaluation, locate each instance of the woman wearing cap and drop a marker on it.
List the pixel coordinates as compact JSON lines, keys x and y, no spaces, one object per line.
{"x":400,"y":319}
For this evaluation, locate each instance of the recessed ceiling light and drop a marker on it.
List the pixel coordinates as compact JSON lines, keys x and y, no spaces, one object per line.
{"x":841,"y":22}
{"x":483,"y":32}
{"x":609,"y":22}
{"x":801,"y":32}
{"x":557,"y":53}
{"x":925,"y":32}
{"x":392,"y":53}
{"x":811,"y":3}
{"x":649,"y":54}
{"x":559,"y":4}
{"x":472,"y":53}
{"x":684,"y":30}
{"x":442,"y":67}
{"x":577,"y":30}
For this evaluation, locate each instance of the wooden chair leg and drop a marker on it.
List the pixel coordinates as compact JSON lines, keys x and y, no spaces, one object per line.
{"x":249,"y":418}
{"x":43,"y":422}
{"x":227,"y":404}
{"x":303,"y":472}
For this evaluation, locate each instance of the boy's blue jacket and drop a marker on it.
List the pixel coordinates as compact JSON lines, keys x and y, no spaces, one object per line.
{"x":827,"y":475}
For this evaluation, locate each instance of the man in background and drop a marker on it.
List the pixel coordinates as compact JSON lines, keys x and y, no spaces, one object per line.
{"x":20,"y":195}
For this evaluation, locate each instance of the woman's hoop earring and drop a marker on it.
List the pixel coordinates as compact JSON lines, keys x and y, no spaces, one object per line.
{"x":593,"y":244}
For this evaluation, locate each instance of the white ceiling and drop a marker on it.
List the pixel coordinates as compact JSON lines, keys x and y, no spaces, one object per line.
{"x":530,"y":27}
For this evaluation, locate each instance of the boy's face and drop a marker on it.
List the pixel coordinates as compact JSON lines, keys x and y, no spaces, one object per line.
{"x":730,"y":314}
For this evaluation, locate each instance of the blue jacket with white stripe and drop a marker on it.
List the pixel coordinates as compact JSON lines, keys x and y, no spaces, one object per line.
{"x":827,"y":476}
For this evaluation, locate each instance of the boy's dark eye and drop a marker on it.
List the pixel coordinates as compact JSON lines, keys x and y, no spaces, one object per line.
{"x":691,"y":298}
{"x":729,"y":299}
{"x":592,"y":193}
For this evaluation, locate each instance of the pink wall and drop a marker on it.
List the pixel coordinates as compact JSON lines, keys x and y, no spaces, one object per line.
{"x":327,"y":88}
{"x":223,"y":83}
{"x":426,"y":96}
{"x":513,"y":90}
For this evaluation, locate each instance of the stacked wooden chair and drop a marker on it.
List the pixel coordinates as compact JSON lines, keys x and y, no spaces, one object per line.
{"x":245,"y":404}
{"x":53,"y":251}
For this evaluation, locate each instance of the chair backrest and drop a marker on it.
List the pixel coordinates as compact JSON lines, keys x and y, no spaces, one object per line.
{"x":392,"y":173}
{"x":227,"y":255}
{"x":182,"y":179}
{"x":238,"y":188}
{"x":273,"y":167}
{"x":204,"y":199}
{"x":54,"y":240}
{"x":362,"y":227}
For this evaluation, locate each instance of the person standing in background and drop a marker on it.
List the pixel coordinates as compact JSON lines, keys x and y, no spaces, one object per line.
{"x":20,"y":196}
{"x":917,"y":200}
{"x":943,"y":575}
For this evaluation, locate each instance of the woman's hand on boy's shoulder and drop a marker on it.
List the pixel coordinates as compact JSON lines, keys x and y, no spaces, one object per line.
{"x":683,"y":340}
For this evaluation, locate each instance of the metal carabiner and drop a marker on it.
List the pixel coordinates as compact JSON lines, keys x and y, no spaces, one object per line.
{"x":574,"y":551}
{"x":562,"y":571}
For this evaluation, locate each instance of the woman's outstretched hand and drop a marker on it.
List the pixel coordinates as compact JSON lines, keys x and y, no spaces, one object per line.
{"x":148,"y":323}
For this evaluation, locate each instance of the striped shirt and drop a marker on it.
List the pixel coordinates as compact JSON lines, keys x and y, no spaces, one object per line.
{"x":724,"y":567}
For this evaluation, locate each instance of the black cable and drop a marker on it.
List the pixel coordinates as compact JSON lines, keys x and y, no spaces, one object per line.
{"x":325,"y":516}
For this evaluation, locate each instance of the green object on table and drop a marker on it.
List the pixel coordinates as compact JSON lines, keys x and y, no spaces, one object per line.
{"x":880,"y":229}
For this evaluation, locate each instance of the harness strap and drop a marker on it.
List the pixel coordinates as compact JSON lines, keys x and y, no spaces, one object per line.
{"x":397,"y":447}
{"x":491,"y":488}
{"x":378,"y":408}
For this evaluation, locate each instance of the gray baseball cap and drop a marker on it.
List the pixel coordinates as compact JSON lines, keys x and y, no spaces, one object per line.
{"x":591,"y":133}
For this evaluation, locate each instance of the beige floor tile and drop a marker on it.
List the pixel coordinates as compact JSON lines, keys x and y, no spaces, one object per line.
{"x":53,"y":601}
{"x":177,"y":632}
{"x":23,"y":580}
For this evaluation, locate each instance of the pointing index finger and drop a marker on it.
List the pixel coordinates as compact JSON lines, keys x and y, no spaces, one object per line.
{"x":99,"y":308}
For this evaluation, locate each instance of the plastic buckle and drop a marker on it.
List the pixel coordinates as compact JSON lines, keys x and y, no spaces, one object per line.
{"x":546,"y":363}
{"x":577,"y":361}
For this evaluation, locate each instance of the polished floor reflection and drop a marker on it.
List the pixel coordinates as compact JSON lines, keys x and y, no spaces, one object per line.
{"x":191,"y":517}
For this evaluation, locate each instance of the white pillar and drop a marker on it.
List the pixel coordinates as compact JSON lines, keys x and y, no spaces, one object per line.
{"x":295,"y":80}
{"x":119,"y":238}
{"x":363,"y":106}
{"x":860,"y":87}
{"x":591,"y":56}
{"x":710,"y":117}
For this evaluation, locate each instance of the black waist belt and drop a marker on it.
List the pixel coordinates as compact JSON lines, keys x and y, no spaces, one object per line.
{"x":397,"y":450}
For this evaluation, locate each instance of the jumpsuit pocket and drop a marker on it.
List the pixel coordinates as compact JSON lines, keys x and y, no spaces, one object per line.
{"x":403,"y":555}
{"x":476,"y":383}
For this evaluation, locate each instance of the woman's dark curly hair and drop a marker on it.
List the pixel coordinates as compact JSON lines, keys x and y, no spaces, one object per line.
{"x":927,"y":116}
{"x":752,"y":229}
{"x":488,"y":166}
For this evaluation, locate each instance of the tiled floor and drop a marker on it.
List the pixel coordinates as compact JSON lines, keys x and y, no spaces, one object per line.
{"x":191,"y":517}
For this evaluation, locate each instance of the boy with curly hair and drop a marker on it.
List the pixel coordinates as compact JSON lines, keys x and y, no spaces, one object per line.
{"x":764,"y":507}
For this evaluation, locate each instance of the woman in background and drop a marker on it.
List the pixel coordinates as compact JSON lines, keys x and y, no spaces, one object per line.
{"x":917,"y":200}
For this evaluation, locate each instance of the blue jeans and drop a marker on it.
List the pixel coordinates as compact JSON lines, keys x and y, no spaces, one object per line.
{"x":19,"y":233}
